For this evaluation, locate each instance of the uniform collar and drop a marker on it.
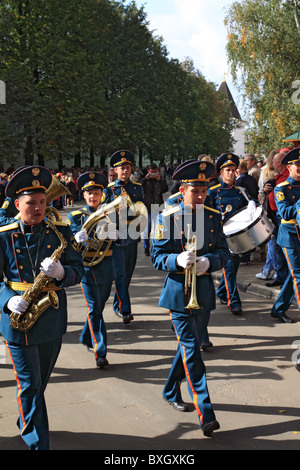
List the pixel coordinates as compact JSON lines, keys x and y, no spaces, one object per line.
{"x":225,"y":185}
{"x":293,"y":182}
{"x":121,"y":183}
{"x":32,"y":228}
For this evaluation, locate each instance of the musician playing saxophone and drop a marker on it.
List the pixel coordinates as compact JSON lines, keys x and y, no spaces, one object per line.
{"x":97,"y":281}
{"x":36,"y":258}
{"x":173,"y":251}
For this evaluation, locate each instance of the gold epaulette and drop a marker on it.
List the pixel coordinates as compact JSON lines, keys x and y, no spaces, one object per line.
{"x":214,"y":187}
{"x":111,"y":184}
{"x":284,"y":183}
{"x":135,"y":182}
{"x":175,"y":208}
{"x":60,"y":224}
{"x":76,"y":212}
{"x":211,"y":209}
{"x":12,"y":226}
{"x":175,"y":195}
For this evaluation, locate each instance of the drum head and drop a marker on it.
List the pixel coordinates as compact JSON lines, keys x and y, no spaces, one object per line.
{"x":240,"y":221}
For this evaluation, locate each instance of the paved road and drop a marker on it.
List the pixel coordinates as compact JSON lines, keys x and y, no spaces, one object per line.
{"x":252,"y":381}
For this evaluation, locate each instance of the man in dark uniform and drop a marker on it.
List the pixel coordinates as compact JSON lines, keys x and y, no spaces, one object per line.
{"x":172,"y":252}
{"x":36,"y":257}
{"x":228,"y":199}
{"x":125,"y":249}
{"x":97,"y":280}
{"x":287,"y":198}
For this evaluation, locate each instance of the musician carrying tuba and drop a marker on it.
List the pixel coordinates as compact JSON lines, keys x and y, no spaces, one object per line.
{"x":94,"y":231}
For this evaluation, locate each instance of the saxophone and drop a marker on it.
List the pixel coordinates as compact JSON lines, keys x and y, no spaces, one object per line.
{"x":38,"y":304}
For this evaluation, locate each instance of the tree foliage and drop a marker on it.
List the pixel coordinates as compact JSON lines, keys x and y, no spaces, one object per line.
{"x":85,"y":77}
{"x":264,"y":53}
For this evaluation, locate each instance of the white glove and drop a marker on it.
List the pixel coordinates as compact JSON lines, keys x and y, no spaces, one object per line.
{"x":108,"y":231}
{"x":186,"y":259}
{"x":202,"y":265}
{"x":17,"y":304}
{"x":52,"y":269}
{"x":251,"y":209}
{"x":81,"y":236}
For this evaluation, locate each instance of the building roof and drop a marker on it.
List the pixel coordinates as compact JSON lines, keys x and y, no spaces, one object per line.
{"x":234,"y":110}
{"x":293,"y":137}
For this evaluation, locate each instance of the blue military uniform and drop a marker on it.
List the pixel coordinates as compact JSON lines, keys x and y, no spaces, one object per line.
{"x":125,"y":249}
{"x":34,"y":351}
{"x":97,"y":280}
{"x":287,"y":197}
{"x":189,"y":324}
{"x":222,"y":196}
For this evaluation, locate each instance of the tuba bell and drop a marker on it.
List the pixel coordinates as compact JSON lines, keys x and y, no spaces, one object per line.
{"x":55,"y":190}
{"x":91,"y":250}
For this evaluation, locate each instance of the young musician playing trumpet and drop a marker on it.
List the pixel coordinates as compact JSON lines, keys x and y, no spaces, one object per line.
{"x":190,"y":316}
{"x":97,"y":280}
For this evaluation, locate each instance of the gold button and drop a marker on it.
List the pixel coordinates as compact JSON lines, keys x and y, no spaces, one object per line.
{"x":212,"y":231}
{"x":48,"y":246}
{"x":211,"y":216}
{"x":16,"y":235}
{"x":18,"y":250}
{"x":210,"y":244}
{"x":21,"y":267}
{"x":47,"y":231}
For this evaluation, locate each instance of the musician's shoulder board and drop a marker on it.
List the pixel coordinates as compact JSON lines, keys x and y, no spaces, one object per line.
{"x":212,"y":210}
{"x":174,"y":210}
{"x":76,"y":213}
{"x":135,"y":182}
{"x":285,"y":183}
{"x":111,"y":184}
{"x":215,"y":187}
{"x":5,"y":228}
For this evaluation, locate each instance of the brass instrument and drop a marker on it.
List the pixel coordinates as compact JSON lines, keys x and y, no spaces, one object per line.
{"x":190,"y":272}
{"x":37,"y":305}
{"x":91,"y":250}
{"x":55,"y":190}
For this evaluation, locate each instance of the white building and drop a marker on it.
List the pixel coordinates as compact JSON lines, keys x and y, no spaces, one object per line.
{"x":239,"y":133}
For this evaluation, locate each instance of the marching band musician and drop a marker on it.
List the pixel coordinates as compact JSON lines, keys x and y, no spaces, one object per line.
{"x":228,"y":199}
{"x":36,"y":258}
{"x":97,"y":280}
{"x":170,"y":253}
{"x":125,"y":249}
{"x":287,"y":198}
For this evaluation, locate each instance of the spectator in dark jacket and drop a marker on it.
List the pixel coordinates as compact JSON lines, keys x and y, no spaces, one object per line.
{"x":153,"y":187}
{"x":244,"y":180}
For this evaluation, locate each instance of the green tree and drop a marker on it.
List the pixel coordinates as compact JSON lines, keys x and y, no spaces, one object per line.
{"x":263,"y":50}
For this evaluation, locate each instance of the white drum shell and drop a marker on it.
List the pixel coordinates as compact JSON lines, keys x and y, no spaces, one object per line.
{"x":244,"y":236}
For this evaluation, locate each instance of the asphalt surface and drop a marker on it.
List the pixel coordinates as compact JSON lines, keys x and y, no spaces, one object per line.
{"x":253,"y":383}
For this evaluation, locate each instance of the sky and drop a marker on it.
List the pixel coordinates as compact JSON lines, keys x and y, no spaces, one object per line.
{"x":194,"y":29}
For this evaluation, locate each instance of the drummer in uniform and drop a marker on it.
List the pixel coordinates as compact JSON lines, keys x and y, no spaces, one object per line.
{"x":125,"y":249}
{"x":287,"y":197}
{"x":97,"y":281}
{"x":171,"y":254}
{"x":228,"y":199}
{"x":29,"y":249}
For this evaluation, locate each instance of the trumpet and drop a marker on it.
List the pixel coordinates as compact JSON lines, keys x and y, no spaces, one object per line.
{"x":190,"y":272}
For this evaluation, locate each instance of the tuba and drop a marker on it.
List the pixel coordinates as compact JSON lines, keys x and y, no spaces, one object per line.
{"x":91,"y":250}
{"x":55,"y":190}
{"x":190,"y":273}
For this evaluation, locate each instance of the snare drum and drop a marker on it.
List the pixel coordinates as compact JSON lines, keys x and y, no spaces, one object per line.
{"x":244,"y":234}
